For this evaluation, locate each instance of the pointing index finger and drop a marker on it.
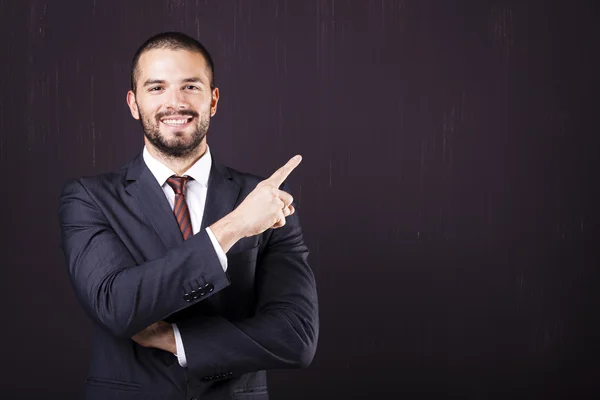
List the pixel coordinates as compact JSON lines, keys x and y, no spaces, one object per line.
{"x":282,"y":173}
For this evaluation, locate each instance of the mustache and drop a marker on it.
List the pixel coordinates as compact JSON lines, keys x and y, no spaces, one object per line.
{"x":189,"y":113}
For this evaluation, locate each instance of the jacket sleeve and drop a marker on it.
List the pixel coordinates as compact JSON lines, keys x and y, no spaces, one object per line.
{"x":117,"y":293}
{"x":283,"y":332}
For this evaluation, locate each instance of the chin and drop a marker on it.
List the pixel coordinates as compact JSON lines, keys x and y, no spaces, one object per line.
{"x":177,"y":138}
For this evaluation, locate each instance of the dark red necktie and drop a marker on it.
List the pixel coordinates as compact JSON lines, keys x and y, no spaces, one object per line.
{"x":180,"y":208}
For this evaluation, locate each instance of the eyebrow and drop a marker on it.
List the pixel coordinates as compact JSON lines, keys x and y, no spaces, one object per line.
{"x":194,"y":79}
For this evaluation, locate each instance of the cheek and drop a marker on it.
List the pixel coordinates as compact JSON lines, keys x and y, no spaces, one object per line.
{"x":207,"y":107}
{"x":147,"y":112}
{"x":199,"y":103}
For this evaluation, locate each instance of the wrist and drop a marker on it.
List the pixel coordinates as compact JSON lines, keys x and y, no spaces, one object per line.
{"x":228,"y":230}
{"x":169,"y":344}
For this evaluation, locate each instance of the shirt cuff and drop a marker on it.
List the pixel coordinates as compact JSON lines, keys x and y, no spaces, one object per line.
{"x":179,"y":344}
{"x":218,"y":249}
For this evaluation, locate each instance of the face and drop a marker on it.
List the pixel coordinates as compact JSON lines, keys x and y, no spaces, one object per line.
{"x":173,"y":100}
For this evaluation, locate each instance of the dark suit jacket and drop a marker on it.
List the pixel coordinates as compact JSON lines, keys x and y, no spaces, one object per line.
{"x":130,"y":267}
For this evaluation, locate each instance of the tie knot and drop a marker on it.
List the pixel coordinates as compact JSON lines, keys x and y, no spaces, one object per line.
{"x":177,"y":183}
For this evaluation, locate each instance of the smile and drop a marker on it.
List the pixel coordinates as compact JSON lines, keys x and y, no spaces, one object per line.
{"x":176,"y":121}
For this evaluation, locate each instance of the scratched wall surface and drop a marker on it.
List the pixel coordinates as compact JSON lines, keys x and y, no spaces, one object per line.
{"x":448,"y":191}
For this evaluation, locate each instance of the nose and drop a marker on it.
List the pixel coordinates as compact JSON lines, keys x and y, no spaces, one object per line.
{"x":176,"y":100}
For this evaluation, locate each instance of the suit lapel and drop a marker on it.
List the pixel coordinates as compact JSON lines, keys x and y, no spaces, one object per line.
{"x":222,"y":195}
{"x":151,"y":198}
{"x":221,"y":198}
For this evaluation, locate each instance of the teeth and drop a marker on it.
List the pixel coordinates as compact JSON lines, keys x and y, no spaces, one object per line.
{"x":175,"y":121}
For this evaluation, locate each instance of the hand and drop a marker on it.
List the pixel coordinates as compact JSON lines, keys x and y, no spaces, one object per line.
{"x":159,"y":335}
{"x":265,"y":207}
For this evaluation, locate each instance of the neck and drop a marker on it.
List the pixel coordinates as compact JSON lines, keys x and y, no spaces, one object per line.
{"x":178,"y":164}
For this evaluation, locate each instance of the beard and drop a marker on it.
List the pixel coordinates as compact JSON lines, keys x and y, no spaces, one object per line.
{"x":181,"y":145}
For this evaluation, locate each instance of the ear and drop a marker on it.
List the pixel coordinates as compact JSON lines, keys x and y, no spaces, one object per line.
{"x":213,"y":101}
{"x":133,"y":107}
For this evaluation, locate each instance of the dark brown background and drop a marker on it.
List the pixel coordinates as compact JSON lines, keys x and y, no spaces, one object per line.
{"x":448,"y":190}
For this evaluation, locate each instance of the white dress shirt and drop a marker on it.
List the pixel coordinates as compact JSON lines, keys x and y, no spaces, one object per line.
{"x":195,"y":197}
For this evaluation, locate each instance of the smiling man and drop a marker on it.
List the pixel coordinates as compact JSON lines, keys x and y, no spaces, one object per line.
{"x":195,"y":274}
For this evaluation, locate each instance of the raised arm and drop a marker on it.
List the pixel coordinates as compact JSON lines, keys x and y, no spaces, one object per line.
{"x":283,"y":332}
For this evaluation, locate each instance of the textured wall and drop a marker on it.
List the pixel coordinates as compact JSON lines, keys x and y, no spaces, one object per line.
{"x":448,"y":190}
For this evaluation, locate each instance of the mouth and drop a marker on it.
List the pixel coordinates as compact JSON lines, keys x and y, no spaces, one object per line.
{"x":176,"y":121}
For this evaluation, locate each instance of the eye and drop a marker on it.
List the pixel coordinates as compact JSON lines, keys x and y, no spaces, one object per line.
{"x":192,"y":87}
{"x":155,"y":88}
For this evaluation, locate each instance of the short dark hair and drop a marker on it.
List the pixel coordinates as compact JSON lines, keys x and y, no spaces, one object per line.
{"x":172,"y":41}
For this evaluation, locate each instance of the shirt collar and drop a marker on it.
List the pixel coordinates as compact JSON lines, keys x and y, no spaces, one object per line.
{"x":199,"y":171}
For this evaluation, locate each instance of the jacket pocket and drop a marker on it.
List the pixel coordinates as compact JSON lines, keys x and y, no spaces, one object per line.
{"x":243,"y":257}
{"x":113,"y":384}
{"x":251,"y":391}
{"x":244,"y":245}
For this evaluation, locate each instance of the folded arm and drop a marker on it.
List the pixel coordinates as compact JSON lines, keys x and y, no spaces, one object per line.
{"x":116,"y":292}
{"x":284,"y":330}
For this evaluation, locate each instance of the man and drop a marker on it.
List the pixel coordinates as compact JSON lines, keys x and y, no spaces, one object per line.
{"x":195,"y":274}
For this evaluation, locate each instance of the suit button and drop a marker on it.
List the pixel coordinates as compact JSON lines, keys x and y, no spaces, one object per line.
{"x":201,"y":291}
{"x":187,"y":297}
{"x":193,"y":398}
{"x":195,"y":294}
{"x":209,"y":287}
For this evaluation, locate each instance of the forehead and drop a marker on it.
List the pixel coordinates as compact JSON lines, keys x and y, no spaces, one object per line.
{"x":166,"y":63}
